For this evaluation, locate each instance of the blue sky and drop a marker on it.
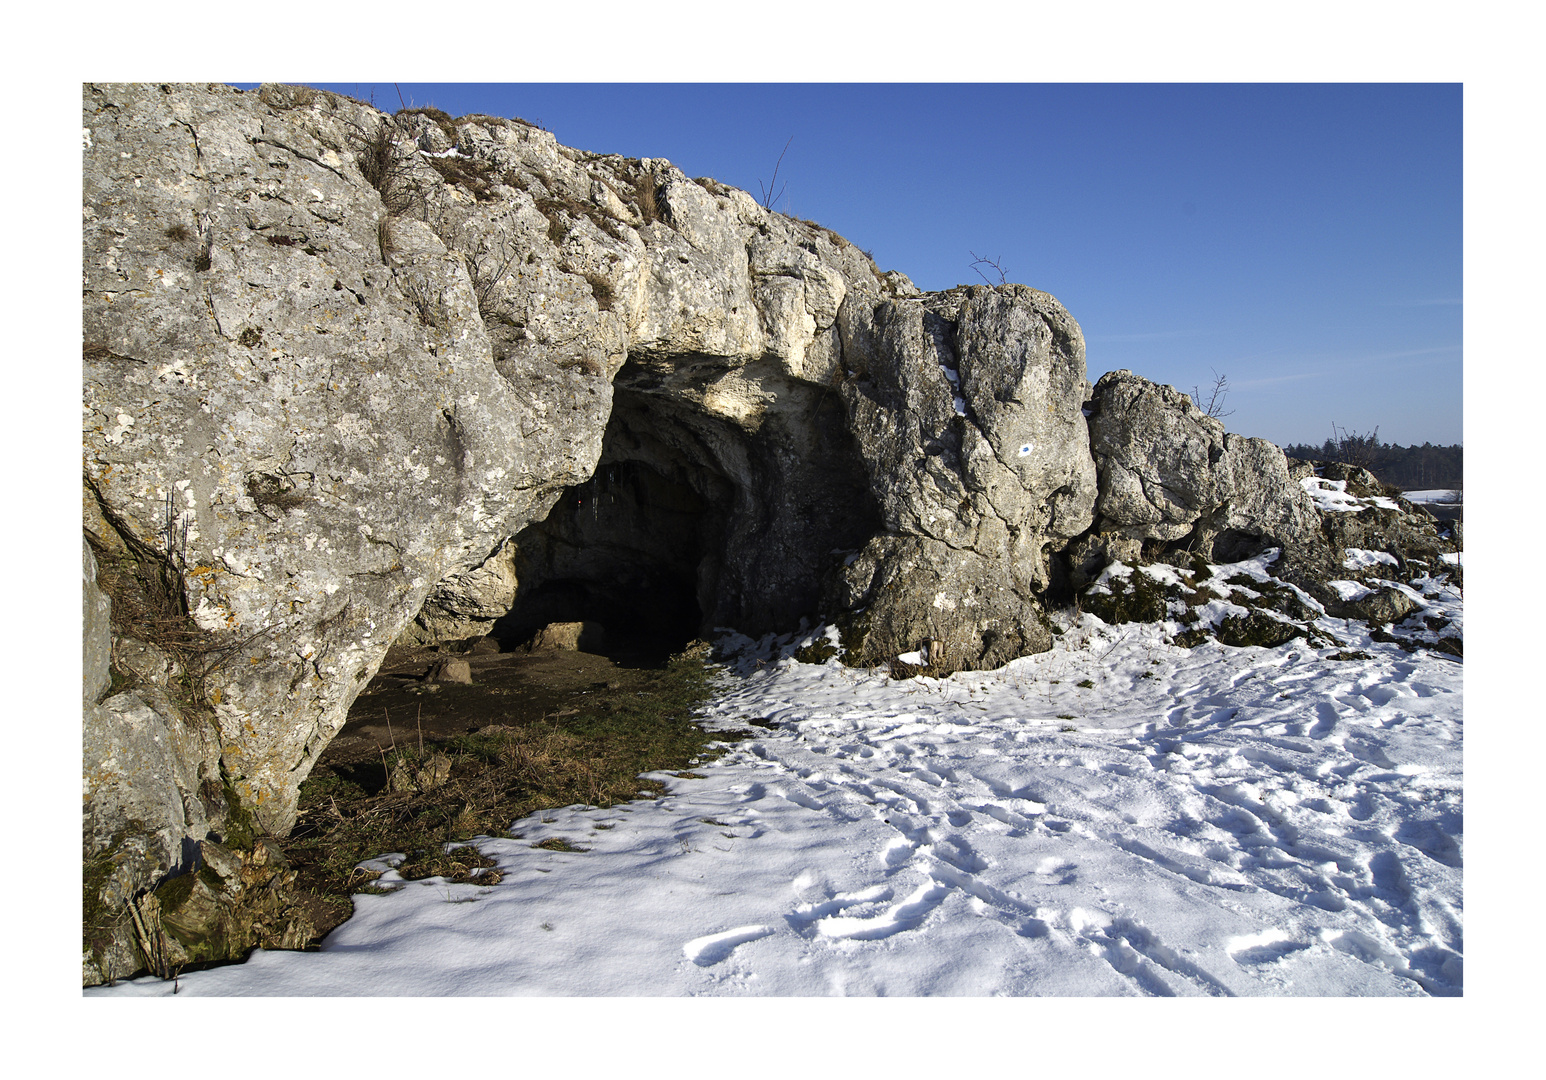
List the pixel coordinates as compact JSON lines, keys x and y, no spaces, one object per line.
{"x":1302,"y":239}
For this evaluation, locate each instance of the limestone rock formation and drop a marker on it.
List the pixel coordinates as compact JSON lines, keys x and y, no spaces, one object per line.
{"x":291,"y":406}
{"x":967,"y":406}
{"x":335,"y":359}
{"x":352,"y":378}
{"x":321,"y":405}
{"x":1169,"y":473}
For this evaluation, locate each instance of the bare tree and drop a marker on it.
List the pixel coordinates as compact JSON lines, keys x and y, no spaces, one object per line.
{"x":992,"y":264}
{"x":1353,"y":448}
{"x":768,"y":195}
{"x":1217,"y":395}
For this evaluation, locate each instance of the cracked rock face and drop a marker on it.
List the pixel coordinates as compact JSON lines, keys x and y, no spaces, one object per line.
{"x":967,"y":406}
{"x":322,"y":409}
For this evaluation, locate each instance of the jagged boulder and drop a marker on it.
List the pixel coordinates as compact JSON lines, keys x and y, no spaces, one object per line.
{"x":467,"y":604}
{"x":725,"y":314}
{"x":1360,"y":513}
{"x":294,"y":416}
{"x":150,"y":769}
{"x":304,"y":386}
{"x":902,"y":592}
{"x":1372,"y":536}
{"x":229,"y":904}
{"x":1377,"y":607}
{"x":570,"y":637}
{"x":1170,"y":474}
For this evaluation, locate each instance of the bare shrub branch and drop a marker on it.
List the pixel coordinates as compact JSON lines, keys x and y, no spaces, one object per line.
{"x":993,"y":264}
{"x":1217,"y":395}
{"x":425,"y":299}
{"x":387,"y":168}
{"x":769,"y":197}
{"x":489,"y":263}
{"x":1353,"y":448}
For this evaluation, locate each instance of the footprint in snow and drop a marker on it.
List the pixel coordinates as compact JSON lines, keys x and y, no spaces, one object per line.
{"x":799,"y":798}
{"x":894,"y":920}
{"x":897,"y":852}
{"x":805,"y":914}
{"x":959,"y":854}
{"x":1267,"y":947}
{"x":1016,"y":822}
{"x":713,"y":948}
{"x":1135,"y":951}
{"x":1061,"y":869}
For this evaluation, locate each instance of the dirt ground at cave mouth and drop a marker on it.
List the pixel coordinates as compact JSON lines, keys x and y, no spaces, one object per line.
{"x":514,"y":688}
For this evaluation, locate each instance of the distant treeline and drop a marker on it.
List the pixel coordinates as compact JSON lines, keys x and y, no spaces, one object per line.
{"x":1425,"y":466}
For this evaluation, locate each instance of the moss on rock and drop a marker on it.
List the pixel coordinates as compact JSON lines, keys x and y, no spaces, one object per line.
{"x":1257,"y":629}
{"x":817,"y":652}
{"x":1134,"y":598}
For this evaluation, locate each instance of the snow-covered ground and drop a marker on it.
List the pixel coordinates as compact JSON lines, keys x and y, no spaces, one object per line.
{"x":1115,"y":817}
{"x":1434,"y":495}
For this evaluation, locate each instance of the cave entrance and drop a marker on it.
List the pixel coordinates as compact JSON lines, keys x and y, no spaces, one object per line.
{"x":694,"y":521}
{"x":632,"y":549}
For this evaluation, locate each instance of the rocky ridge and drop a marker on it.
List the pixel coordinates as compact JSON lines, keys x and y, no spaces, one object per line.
{"x":351,"y":378}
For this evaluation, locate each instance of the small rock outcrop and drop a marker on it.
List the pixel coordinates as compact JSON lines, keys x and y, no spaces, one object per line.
{"x":1171,"y":476}
{"x":570,"y":636}
{"x":450,"y":671}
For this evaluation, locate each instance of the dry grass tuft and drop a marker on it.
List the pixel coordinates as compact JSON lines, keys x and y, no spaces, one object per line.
{"x":602,"y":290}
{"x":469,"y":173}
{"x":651,"y":208}
{"x":387,"y":168}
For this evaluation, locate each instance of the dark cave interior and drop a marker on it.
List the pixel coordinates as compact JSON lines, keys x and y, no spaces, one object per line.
{"x":626,"y":549}
{"x":692,"y":522}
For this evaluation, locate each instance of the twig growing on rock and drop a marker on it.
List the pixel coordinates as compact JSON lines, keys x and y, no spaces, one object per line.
{"x":994,"y":264}
{"x":488,"y":264}
{"x":174,"y":553}
{"x":1218,"y":393}
{"x":768,"y":195}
